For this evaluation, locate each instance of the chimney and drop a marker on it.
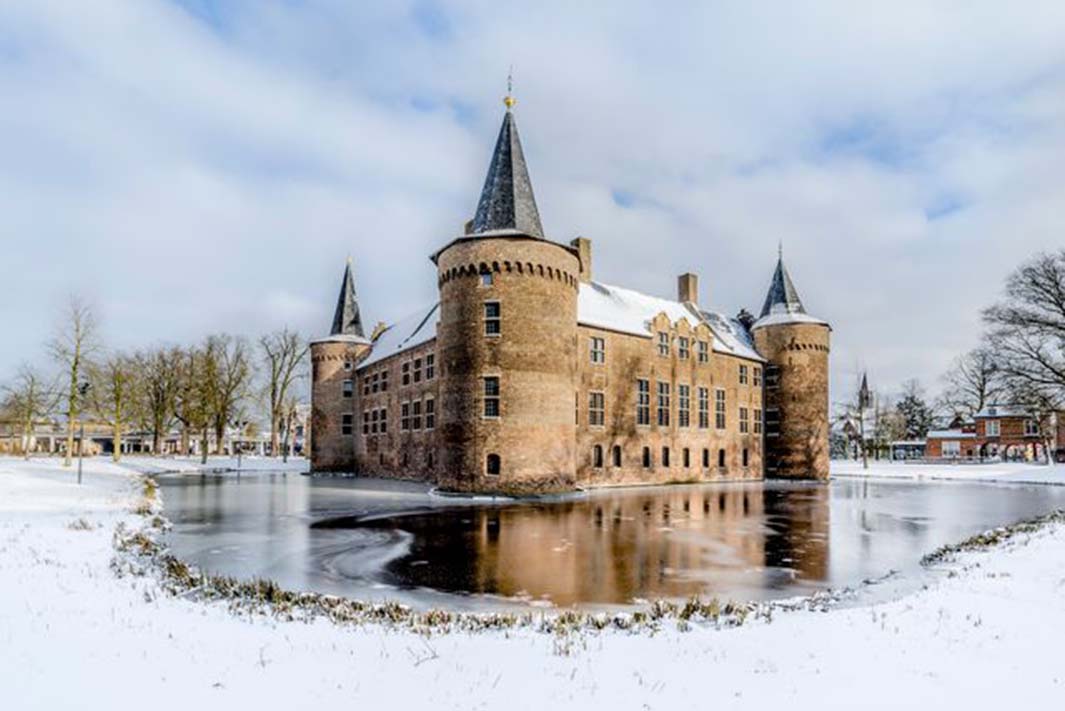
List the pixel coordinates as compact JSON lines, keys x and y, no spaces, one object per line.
{"x":584,"y":253}
{"x":688,"y":288}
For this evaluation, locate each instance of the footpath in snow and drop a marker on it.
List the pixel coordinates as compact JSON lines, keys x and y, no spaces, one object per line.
{"x":73,"y":635}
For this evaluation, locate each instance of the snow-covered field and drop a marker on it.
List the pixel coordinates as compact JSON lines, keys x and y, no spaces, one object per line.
{"x":998,"y":472}
{"x":72,"y":635}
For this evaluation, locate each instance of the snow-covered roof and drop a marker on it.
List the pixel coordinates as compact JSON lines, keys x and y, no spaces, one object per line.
{"x":414,"y":330}
{"x":950,"y":434}
{"x":626,"y":311}
{"x":1001,"y":411}
{"x":342,"y":338}
{"x":779,"y":315}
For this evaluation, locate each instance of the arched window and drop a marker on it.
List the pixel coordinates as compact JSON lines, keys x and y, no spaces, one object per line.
{"x":597,"y":456}
{"x":646,"y":457}
{"x":721,"y":457}
{"x":617,"y":455}
{"x":665,"y":456}
{"x":492,"y":465}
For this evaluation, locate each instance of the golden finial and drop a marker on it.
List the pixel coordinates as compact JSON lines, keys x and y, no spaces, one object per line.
{"x":509,"y":99}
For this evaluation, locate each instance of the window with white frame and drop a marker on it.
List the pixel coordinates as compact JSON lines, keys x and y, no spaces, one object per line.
{"x":704,"y":408}
{"x":993,"y":428}
{"x":951,"y":448}
{"x":596,"y":409}
{"x":682,"y":347}
{"x":663,"y":404}
{"x":745,"y":422}
{"x":493,"y":318}
{"x":1031,"y":428}
{"x":703,"y":348}
{"x":491,"y":396}
{"x":430,"y":366}
{"x":598,"y":349}
{"x":743,"y":374}
{"x":663,"y":344}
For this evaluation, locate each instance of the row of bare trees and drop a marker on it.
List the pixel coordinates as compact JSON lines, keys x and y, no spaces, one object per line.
{"x":1019,"y":363}
{"x":201,"y":390}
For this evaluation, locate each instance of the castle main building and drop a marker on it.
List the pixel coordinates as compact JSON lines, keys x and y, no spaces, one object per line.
{"x":528,"y":376}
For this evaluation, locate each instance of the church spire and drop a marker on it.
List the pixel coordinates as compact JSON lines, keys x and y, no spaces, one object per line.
{"x":782,"y":296}
{"x":507,"y":201}
{"x":347,"y":321}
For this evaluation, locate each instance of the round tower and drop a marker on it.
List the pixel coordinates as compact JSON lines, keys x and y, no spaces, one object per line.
{"x":334,"y":387}
{"x":796,"y":346}
{"x":506,"y":341}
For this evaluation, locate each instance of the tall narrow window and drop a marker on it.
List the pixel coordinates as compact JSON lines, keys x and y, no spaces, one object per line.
{"x":349,"y":388}
{"x":492,"y":465}
{"x":643,"y":402}
{"x":686,"y":457}
{"x":684,"y":405}
{"x":384,"y":380}
{"x":597,"y":456}
{"x":757,"y":376}
{"x":663,"y":343}
{"x":383,"y":417}
{"x":430,"y":366}
{"x":375,"y":382}
{"x":704,"y":352}
{"x":430,"y":413}
{"x":598,"y":349}
{"x":416,"y":415}
{"x":663,"y":404}
{"x":706,"y":458}
{"x":365,"y":384}
{"x":719,"y":409}
{"x":665,"y":456}
{"x":374,"y":415}
{"x":596,"y":409}
{"x":345,"y":424}
{"x":366,"y":422}
{"x":491,"y":397}
{"x":405,"y":370}
{"x":493,"y":319}
{"x":682,"y":348}
{"x":617,"y":455}
{"x":404,"y":416}
{"x":745,"y":422}
{"x":721,"y":458}
{"x":772,"y":376}
{"x":757,"y":421}
{"x":417,"y":370}
{"x":743,"y":374}
{"x":646,"y":457}
{"x":704,"y":408}
{"x":745,"y":457}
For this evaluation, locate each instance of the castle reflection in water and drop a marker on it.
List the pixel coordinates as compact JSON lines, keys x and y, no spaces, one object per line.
{"x":623,"y":545}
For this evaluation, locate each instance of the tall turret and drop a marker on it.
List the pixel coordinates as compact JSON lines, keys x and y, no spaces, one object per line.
{"x":333,"y":392}
{"x":507,"y":339}
{"x":796,"y":382}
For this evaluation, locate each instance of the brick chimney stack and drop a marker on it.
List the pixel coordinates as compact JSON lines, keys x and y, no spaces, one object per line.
{"x":688,"y":288}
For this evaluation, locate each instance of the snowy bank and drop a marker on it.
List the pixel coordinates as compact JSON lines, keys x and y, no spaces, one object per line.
{"x":74,"y":635}
{"x":997,"y":473}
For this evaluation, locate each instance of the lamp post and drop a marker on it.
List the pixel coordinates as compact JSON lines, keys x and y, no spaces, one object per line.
{"x":83,"y":389}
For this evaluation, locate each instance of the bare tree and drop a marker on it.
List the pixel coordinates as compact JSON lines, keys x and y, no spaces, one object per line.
{"x":284,"y":352}
{"x":115,"y":396}
{"x":29,"y":399}
{"x":225,"y":375}
{"x":287,"y":421}
{"x":160,"y":371}
{"x":72,"y":346}
{"x":973,"y":382}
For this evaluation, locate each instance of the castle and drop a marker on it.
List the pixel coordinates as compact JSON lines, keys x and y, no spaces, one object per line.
{"x":527,"y":376}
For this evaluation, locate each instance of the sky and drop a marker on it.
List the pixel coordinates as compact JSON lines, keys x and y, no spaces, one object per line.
{"x":198,"y":166}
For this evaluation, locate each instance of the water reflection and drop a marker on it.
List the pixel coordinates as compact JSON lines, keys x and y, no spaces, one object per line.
{"x":738,"y":541}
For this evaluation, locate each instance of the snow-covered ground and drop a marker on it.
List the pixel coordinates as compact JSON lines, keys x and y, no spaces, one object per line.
{"x":998,"y":472}
{"x":73,"y":635}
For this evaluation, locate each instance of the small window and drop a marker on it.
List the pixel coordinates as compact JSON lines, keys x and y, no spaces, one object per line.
{"x":704,"y":351}
{"x":616,"y":455}
{"x":993,"y":428}
{"x":346,"y":424}
{"x":744,"y":457}
{"x":492,"y":465}
{"x":646,"y":457}
{"x":596,"y":409}
{"x":430,"y":366}
{"x":384,"y":380}
{"x":663,"y":343}
{"x":743,"y":374}
{"x":706,"y":458}
{"x":665,"y":456}
{"x":347,"y":365}
{"x":486,"y":279}
{"x":493,"y":320}
{"x":597,"y":456}
{"x":598,"y":349}
{"x":430,"y":413}
{"x":721,"y":458}
{"x":349,"y":388}
{"x":1031,"y":428}
{"x":686,"y":457}
{"x":417,"y":370}
{"x":757,"y":421}
{"x":757,"y":376}
{"x":491,"y":397}
{"x":375,"y":382}
{"x":682,"y":347}
{"x":745,"y":423}
{"x":405,"y":370}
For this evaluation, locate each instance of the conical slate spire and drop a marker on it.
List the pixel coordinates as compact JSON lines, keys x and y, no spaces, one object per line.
{"x":347,"y":321}
{"x":782,"y":296}
{"x":507,"y":200}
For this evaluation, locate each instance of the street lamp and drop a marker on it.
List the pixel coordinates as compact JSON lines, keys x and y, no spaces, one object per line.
{"x":83,"y":389}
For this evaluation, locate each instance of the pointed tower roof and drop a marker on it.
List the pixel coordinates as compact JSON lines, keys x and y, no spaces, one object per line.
{"x":507,"y":201}
{"x":347,"y":321}
{"x":782,"y":302}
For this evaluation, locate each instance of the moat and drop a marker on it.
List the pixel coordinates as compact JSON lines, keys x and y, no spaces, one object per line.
{"x":372,"y":539}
